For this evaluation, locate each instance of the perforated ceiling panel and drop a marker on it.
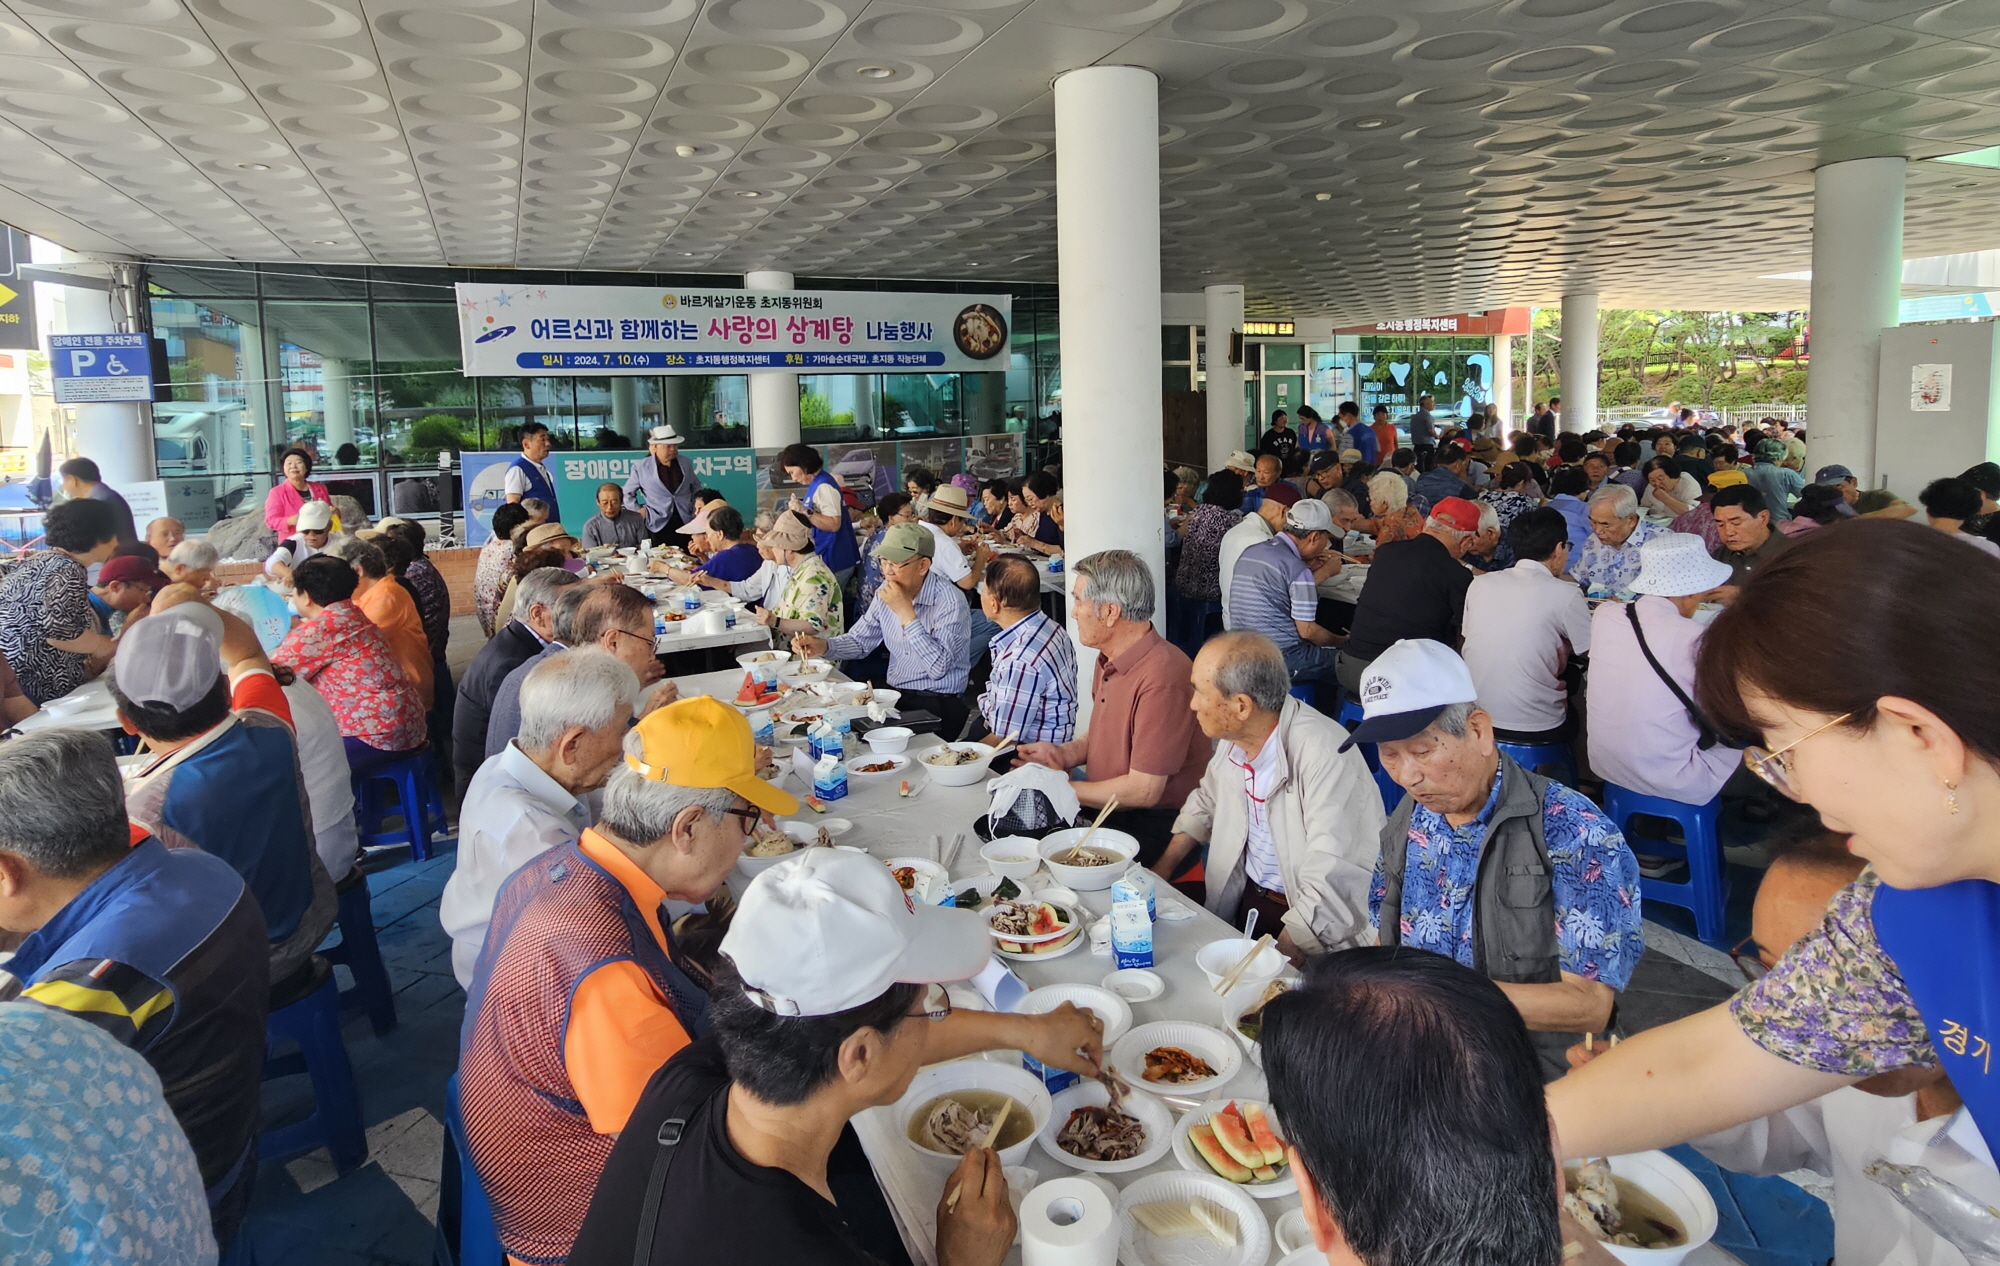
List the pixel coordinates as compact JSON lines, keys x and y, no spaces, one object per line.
{"x":1361,"y":160}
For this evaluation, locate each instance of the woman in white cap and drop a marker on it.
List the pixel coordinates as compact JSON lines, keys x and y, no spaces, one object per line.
{"x":665,"y":486}
{"x":1645,"y":735}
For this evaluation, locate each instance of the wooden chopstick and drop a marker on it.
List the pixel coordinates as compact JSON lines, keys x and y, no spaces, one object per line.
{"x":992,"y":1132}
{"x":1071,"y":856}
{"x":1235,"y":973}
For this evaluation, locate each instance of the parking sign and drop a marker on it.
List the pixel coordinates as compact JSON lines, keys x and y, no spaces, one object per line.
{"x":89,"y":368}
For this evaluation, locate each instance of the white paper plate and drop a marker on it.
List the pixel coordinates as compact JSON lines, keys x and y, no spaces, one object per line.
{"x":1292,"y":1232}
{"x":1074,"y":921}
{"x":1139,"y":1247}
{"x":1102,"y":1003}
{"x":1285,"y":1185}
{"x":1151,"y":1112}
{"x":1215,"y":1048}
{"x":1135,"y":984}
{"x":854,"y":770}
{"x":1081,"y":938}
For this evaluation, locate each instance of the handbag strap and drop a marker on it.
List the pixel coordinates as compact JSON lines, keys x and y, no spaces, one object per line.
{"x":678,"y":1125}
{"x":1708,"y":738}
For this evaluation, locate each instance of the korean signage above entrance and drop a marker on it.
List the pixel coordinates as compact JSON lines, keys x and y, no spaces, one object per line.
{"x":513,"y":330}
{"x":1491,"y":321}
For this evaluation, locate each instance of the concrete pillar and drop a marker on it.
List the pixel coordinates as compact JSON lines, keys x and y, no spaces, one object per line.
{"x":864,"y":404}
{"x":774,"y":395}
{"x":336,"y":402}
{"x":1108,"y":264}
{"x":1225,"y":381}
{"x":625,"y":408}
{"x":1503,"y":383}
{"x":1857,"y":271}
{"x":674,"y":404}
{"x":116,"y":434}
{"x":1579,"y":361}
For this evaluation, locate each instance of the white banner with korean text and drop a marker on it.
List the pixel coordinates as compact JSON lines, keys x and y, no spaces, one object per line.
{"x":511,"y":330}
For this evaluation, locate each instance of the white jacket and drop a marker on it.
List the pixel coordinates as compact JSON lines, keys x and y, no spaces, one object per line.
{"x":1326,"y":824}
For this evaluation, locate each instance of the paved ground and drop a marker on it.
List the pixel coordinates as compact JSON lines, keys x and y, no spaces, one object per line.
{"x":383,"y":1212}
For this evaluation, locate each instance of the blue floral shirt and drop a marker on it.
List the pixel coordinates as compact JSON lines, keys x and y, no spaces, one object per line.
{"x":1596,"y":884}
{"x":1613,"y":567}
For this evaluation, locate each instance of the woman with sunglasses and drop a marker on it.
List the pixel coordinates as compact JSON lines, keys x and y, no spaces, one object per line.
{"x":1890,"y":728}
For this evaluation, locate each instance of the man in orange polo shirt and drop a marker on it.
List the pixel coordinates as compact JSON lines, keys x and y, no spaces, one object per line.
{"x":581,"y":992}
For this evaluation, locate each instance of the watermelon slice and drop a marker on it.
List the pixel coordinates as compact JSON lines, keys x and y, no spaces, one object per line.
{"x":1265,"y":1173}
{"x":1262,"y":1134}
{"x":749,"y":692}
{"x":1219,"y":1160}
{"x":1234,"y":1135}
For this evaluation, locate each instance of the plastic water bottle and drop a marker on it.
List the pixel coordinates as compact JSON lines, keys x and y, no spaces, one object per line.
{"x":691,"y":601}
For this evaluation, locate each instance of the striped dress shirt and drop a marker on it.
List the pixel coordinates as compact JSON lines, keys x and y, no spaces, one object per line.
{"x":1032,"y":692}
{"x":932,"y":652}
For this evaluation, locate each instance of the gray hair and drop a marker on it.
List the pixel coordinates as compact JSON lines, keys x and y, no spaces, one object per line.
{"x":1489,"y":518}
{"x":641,"y":811}
{"x":1117,"y":576}
{"x":1388,"y":492}
{"x":62,"y":804}
{"x":583,"y":688}
{"x":1454,"y":719}
{"x":1340,"y":500}
{"x":199,"y":555}
{"x":534,"y":505}
{"x":562,"y":613}
{"x":1252,"y":665}
{"x":1187,"y":474}
{"x":366,"y":555}
{"x":1623,"y":501}
{"x":1444,"y":530}
{"x":539,"y":587}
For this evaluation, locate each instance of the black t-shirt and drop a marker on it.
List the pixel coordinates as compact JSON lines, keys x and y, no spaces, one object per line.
{"x":717,"y":1207}
{"x":1415,"y":589}
{"x":1281,"y":443}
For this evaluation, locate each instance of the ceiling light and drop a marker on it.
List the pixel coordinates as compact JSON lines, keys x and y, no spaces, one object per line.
{"x":255,"y":166}
{"x":1371,"y":123}
{"x":685,"y":151}
{"x":1713,"y":158}
{"x":325,"y":241}
{"x":1322,"y":197}
{"x":876,"y":72}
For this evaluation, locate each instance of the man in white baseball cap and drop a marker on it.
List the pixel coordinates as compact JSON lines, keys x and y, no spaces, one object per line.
{"x":1273,"y":590}
{"x":315,"y":529}
{"x":827,"y":1003}
{"x":1509,"y":873}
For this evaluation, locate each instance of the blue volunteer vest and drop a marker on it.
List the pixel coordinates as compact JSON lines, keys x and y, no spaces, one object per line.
{"x":538,"y":486}
{"x":836,"y":548}
{"x":1946,"y":944}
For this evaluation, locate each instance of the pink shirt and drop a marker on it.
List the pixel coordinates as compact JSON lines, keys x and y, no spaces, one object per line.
{"x":284,"y":502}
{"x":1640,"y":735}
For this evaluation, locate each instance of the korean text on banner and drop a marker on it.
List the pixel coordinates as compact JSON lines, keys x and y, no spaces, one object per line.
{"x":730,"y":471}
{"x":512,"y":330}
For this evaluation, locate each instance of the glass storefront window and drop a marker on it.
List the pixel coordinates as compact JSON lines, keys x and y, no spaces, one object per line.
{"x":921,"y":404}
{"x":219,"y":420}
{"x":420,"y":404}
{"x":1284,"y":356}
{"x":508,"y":404}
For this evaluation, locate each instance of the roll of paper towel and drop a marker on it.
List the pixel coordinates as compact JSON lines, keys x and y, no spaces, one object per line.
{"x":1068,"y":1222}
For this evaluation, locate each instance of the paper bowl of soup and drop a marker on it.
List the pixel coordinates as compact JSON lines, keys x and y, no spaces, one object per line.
{"x":1659,"y":1212}
{"x":951,"y":1105}
{"x":1097,"y":865}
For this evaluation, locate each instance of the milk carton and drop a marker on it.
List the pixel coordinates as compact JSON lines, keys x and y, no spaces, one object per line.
{"x":830,"y":783}
{"x":1131,"y":934}
{"x":1136,"y":884}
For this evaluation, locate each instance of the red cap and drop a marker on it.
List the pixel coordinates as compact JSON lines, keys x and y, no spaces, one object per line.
{"x":130,"y":568}
{"x":1457,"y":512}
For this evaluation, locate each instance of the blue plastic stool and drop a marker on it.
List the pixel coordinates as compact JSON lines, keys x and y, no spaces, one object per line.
{"x":1706,"y":891}
{"x":467,"y":1235}
{"x":1350,"y":713}
{"x":417,"y":803}
{"x":306,"y":1011}
{"x":1306,"y":692}
{"x":1531,"y":756}
{"x":358,"y":950}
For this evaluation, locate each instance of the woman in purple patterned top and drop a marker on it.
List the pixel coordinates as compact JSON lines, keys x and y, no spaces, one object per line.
{"x":1862,"y":661}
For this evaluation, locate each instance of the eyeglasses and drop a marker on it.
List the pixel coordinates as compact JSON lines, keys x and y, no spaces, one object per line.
{"x":1776,"y":767}
{"x":1749,"y":958}
{"x":751,"y":817}
{"x":637,"y":637}
{"x":935,"y":1004}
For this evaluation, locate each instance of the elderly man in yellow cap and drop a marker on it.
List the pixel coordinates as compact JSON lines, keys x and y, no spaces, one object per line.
{"x":581,"y":991}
